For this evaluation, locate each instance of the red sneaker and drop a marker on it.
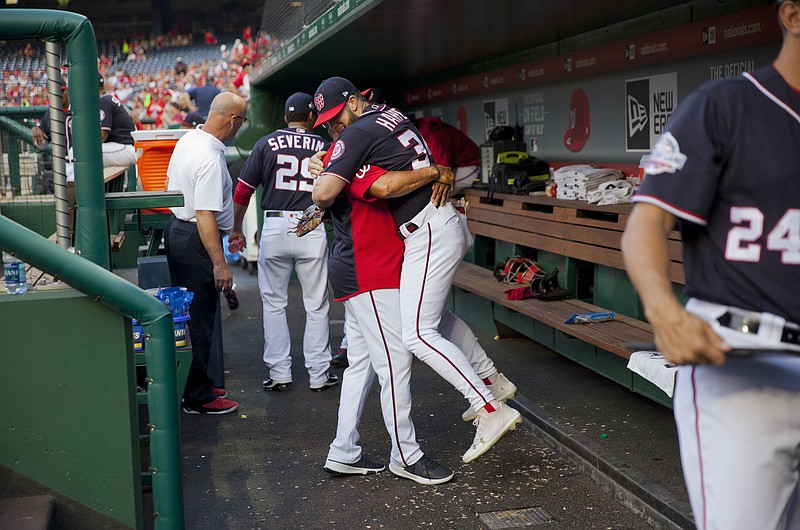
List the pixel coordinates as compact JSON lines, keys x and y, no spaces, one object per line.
{"x":219,"y":392}
{"x":339,"y":358}
{"x":218,"y":406}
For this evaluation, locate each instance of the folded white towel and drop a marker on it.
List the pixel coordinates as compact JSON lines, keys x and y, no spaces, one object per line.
{"x":655,"y":368}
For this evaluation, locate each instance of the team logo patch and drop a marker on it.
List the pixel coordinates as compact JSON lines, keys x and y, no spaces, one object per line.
{"x":363,"y":171}
{"x":319,"y":102}
{"x":102,"y":114}
{"x":666,"y":156}
{"x":338,"y":150}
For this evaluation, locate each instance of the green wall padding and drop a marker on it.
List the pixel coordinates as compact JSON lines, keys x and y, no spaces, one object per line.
{"x":69,"y":417}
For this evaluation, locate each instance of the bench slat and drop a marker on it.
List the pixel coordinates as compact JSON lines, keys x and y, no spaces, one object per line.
{"x":611,"y":335}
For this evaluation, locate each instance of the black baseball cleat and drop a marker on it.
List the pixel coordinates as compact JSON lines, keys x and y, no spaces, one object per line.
{"x":425,"y":471}
{"x":364,"y":466}
{"x":339,"y":358}
{"x":330,"y":381}
{"x":271,"y":384}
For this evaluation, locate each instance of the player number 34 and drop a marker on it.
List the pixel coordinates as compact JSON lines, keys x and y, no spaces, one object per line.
{"x":784,"y":238}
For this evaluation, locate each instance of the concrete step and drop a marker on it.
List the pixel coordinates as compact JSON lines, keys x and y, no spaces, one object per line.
{"x":34,"y":512}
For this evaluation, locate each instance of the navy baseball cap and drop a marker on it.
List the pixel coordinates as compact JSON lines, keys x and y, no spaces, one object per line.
{"x":299,"y":102}
{"x":374,"y":95}
{"x":330,"y":98}
{"x":192,"y":119}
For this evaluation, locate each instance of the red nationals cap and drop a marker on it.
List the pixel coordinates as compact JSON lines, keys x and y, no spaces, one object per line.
{"x":330,"y":97}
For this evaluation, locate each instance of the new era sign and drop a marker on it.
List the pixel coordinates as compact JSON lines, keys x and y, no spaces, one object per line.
{"x":649,"y":102}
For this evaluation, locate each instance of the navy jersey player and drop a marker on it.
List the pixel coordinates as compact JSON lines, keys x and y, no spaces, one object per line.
{"x":116,"y":126}
{"x":279,"y":163}
{"x":436,"y":240}
{"x":727,"y":170}
{"x":365,"y":262}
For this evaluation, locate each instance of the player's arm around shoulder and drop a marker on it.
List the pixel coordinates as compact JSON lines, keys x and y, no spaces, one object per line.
{"x":680,"y":336}
{"x":398,"y":183}
{"x":326,"y":187}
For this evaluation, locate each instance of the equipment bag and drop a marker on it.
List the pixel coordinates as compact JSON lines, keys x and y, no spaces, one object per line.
{"x":517,"y":173}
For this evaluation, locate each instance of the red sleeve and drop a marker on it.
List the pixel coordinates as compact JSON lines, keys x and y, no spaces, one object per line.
{"x":243,"y":193}
{"x":439,"y":152}
{"x":239,"y":79}
{"x":360,"y":185}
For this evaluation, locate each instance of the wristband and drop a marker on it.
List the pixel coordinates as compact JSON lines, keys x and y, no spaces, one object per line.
{"x":438,"y":173}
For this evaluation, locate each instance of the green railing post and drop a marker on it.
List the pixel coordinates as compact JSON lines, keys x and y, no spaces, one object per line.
{"x":78,"y":35}
{"x":129,"y":300}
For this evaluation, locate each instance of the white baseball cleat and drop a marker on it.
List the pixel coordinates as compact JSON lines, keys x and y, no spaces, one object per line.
{"x":502,"y":390}
{"x":491,"y":427}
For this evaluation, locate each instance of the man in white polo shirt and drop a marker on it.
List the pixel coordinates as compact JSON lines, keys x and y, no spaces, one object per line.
{"x":193,"y":239}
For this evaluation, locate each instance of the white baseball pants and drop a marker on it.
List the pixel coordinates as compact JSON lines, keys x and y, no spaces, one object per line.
{"x":430,"y":261}
{"x":739,"y":432}
{"x":279,"y":253}
{"x":376,"y":348}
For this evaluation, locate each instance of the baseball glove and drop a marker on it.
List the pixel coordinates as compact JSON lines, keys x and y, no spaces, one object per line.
{"x":311,"y":218}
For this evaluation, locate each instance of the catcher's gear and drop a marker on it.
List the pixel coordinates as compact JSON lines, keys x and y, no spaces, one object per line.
{"x":311,"y":218}
{"x":535,"y":282}
{"x":518,"y":270}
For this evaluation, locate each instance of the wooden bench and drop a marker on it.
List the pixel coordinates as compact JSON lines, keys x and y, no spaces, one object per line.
{"x":575,"y":230}
{"x":611,"y":335}
{"x":569,"y":228}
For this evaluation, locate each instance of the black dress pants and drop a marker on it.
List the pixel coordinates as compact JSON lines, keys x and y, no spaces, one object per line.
{"x":191,"y":267}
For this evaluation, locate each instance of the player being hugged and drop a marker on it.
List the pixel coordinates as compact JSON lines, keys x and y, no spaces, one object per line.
{"x":435,"y":239}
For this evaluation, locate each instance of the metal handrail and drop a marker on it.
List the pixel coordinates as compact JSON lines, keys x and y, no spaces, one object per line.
{"x":127,"y":299}
{"x":23,"y":112}
{"x":78,"y":35}
{"x":89,"y":272}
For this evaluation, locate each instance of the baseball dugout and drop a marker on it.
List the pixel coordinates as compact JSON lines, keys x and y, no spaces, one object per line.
{"x":583,"y":241}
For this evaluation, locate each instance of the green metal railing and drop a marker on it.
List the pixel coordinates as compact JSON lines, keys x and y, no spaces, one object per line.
{"x":78,"y":35}
{"x":127,"y":299}
{"x":89,"y":271}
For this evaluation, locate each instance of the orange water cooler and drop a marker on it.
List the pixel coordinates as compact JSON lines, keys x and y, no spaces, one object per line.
{"x":153,"y":151}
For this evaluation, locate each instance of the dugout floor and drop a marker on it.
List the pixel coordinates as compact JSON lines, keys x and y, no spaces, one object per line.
{"x":261,"y":467}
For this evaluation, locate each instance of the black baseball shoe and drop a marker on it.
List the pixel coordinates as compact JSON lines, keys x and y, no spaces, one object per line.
{"x":272,"y":384}
{"x":425,"y":471}
{"x":339,"y":358}
{"x":364,"y":466}
{"x":330,"y":381}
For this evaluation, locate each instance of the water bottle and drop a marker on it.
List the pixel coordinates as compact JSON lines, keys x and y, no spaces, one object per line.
{"x":14,"y":272}
{"x":235,"y":245}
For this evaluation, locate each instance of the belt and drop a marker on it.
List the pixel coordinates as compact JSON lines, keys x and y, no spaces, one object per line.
{"x":790,"y":334}
{"x":281,"y":213}
{"x":421,"y":219}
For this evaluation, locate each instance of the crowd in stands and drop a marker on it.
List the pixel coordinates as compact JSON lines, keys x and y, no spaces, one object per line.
{"x":157,"y":97}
